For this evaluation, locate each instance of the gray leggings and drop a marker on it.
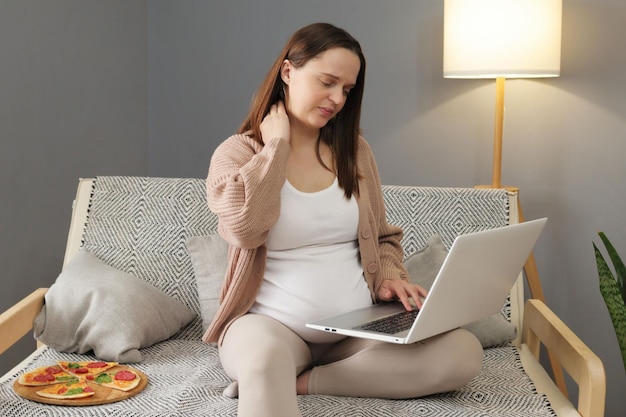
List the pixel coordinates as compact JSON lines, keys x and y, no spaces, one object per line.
{"x":265,"y":357}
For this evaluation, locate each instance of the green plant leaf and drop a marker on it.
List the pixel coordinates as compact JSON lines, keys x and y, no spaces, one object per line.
{"x":620,"y":269}
{"x":613,"y":299}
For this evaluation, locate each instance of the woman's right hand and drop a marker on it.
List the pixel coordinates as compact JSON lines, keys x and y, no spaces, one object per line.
{"x":276,"y":123}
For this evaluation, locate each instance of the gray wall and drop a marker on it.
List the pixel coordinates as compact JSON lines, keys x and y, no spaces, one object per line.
{"x":73,"y":103}
{"x":564,"y":138}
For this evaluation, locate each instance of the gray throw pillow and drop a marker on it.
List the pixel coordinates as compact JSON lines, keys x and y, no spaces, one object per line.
{"x":93,"y":306}
{"x":424,"y":264}
{"x":423,"y":267}
{"x":209,"y":258}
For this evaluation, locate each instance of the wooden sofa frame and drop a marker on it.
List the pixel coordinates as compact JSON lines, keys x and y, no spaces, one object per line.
{"x":539,"y":326}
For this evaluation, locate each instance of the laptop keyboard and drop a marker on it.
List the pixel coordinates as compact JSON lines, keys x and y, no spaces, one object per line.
{"x":391,"y":324}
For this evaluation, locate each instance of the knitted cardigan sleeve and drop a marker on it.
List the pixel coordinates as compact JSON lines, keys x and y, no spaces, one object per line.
{"x":243,"y":188}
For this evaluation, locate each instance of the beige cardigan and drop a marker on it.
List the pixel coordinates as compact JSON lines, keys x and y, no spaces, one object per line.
{"x":243,"y":188}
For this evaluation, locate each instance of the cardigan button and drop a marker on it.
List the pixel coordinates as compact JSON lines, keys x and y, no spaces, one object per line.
{"x":366,"y":233}
{"x":372,"y":268}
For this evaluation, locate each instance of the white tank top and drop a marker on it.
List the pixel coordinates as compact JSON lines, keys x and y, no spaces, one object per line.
{"x":313,"y":267}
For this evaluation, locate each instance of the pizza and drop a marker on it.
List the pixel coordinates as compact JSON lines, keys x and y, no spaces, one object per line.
{"x":67,"y":391}
{"x":86,"y":368}
{"x":123,"y":380}
{"x":46,"y":375}
{"x":79,"y":379}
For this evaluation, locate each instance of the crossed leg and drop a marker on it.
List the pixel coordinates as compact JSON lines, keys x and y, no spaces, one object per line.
{"x":266,"y":357}
{"x":366,"y":368}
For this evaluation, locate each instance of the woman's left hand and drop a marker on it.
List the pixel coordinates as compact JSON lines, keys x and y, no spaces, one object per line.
{"x":402,"y":290}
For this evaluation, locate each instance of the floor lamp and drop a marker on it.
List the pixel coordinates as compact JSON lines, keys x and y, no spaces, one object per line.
{"x":505,"y":39}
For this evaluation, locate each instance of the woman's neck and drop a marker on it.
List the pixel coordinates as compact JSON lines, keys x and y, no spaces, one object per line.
{"x":302,"y":137}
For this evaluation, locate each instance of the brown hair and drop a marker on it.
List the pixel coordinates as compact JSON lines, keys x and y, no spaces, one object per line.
{"x":342,"y":132}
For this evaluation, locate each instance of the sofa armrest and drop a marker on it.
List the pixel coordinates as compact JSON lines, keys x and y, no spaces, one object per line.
{"x":541,"y":325}
{"x":18,"y":319}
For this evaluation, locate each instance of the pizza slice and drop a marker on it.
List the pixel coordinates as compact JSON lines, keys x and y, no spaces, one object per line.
{"x":46,"y":375}
{"x":67,"y":391}
{"x":123,"y":380}
{"x":85,"y":368}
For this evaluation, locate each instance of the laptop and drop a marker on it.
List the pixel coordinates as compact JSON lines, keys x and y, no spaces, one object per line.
{"x":473,"y":282}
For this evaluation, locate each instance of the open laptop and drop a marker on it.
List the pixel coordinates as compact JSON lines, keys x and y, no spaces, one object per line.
{"x":473,"y":283}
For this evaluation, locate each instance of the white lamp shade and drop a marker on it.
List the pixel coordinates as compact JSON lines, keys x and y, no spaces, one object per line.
{"x":502,"y":38}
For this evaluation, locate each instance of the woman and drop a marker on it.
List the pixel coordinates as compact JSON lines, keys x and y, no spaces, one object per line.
{"x":299,"y":200}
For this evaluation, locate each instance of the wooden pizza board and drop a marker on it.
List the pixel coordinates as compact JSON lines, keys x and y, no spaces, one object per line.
{"x":103,"y":395}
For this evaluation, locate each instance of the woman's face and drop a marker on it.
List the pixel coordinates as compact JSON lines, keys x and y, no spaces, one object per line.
{"x":318,"y":90}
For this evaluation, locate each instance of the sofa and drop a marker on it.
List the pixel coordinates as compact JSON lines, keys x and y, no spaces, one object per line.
{"x":142,"y":275}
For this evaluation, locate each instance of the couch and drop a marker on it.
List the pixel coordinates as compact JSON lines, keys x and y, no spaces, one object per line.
{"x":143,"y":250}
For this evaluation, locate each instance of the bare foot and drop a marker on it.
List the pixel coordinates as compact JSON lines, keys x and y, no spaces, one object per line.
{"x":302,"y":383}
